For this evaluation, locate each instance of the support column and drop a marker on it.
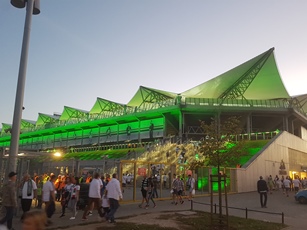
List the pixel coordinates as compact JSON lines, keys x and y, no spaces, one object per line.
{"x":180,"y":126}
{"x":285,"y":123}
{"x":248,"y":124}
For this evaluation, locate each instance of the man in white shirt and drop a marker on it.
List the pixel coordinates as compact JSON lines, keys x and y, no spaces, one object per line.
{"x":114,"y":194}
{"x":297,"y":184}
{"x":287,"y":184}
{"x":94,"y":196}
{"x":48,"y":196}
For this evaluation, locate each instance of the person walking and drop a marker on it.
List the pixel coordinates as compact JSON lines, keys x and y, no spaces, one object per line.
{"x":178,"y":186}
{"x":191,"y":186}
{"x":28,"y":193}
{"x":94,"y":196}
{"x":270,"y":183}
{"x":262,"y":189}
{"x":287,"y":185}
{"x":48,"y":197}
{"x":9,"y":200}
{"x":39,"y":185}
{"x":65,"y":197}
{"x":105,"y":204}
{"x":57,"y":185}
{"x":297,"y":184}
{"x":74,"y":197}
{"x":114,"y":194}
{"x":144,"y":188}
{"x":150,"y":193}
{"x":165,"y":179}
{"x":155,"y":183}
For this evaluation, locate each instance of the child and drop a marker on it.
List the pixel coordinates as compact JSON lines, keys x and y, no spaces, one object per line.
{"x":105,"y":204}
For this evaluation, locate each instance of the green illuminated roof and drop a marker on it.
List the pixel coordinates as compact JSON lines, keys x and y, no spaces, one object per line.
{"x":103,"y":107}
{"x":72,"y":113}
{"x":46,"y":119}
{"x":27,"y":124}
{"x":6,"y":128}
{"x":257,"y":78}
{"x":149,"y":95}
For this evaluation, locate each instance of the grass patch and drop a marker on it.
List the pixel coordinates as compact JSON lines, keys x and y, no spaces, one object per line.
{"x":198,"y":221}
{"x":202,"y":221}
{"x":132,"y":226}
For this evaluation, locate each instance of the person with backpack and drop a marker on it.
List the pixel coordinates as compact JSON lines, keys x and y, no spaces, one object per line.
{"x":150,"y":193}
{"x":144,"y":188}
{"x":66,"y":194}
{"x":28,"y":193}
{"x":179,"y":188}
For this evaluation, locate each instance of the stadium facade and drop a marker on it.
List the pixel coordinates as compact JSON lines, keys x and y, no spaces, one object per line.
{"x":253,"y":90}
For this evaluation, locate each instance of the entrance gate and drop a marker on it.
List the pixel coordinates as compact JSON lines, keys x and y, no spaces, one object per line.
{"x":131,"y":174}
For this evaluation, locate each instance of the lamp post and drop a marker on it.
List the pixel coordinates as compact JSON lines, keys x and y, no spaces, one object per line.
{"x":32,"y":8}
{"x":73,"y":167}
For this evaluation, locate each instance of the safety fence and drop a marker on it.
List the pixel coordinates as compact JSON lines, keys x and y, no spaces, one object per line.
{"x":246,"y":210}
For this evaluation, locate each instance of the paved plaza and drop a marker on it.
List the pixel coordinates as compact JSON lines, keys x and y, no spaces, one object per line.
{"x":294,"y":213}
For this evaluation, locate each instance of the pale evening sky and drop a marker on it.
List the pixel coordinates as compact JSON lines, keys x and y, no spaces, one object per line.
{"x":81,"y":50}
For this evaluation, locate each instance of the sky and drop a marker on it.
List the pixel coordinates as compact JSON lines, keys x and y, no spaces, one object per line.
{"x":80,"y":50}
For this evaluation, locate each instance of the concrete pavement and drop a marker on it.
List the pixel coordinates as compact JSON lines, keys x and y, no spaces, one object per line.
{"x":294,"y":213}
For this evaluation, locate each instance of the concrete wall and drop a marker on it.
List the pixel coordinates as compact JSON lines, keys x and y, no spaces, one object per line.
{"x":268,"y":162}
{"x":304,"y":133}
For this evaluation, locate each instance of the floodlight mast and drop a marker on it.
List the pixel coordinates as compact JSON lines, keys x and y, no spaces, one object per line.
{"x":32,"y":8}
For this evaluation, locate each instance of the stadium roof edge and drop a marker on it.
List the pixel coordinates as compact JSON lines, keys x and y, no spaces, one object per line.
{"x":257,"y":78}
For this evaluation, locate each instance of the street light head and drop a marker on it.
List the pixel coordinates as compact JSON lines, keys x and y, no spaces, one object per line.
{"x":36,"y":8}
{"x":57,"y":154}
{"x":18,"y":3}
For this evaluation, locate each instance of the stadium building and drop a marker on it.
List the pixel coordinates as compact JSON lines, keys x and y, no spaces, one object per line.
{"x":254,"y":91}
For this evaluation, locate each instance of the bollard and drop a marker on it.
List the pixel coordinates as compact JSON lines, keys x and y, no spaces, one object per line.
{"x":215,"y":208}
{"x":282,"y":218}
{"x":245,"y":213}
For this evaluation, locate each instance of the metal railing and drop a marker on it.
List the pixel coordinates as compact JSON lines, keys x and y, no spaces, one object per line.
{"x":283,"y":103}
{"x":246,"y":210}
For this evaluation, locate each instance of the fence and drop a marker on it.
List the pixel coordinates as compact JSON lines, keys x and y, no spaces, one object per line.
{"x":242,"y":209}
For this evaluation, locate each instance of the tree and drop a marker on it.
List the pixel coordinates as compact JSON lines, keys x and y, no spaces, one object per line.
{"x":220,"y":148}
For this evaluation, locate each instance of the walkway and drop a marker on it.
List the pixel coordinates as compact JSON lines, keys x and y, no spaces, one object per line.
{"x":295,"y":214}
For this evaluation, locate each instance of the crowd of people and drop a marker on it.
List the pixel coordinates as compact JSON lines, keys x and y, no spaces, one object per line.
{"x":286,"y":184}
{"x":41,"y":193}
{"x":103,"y":195}
{"x":179,"y":189}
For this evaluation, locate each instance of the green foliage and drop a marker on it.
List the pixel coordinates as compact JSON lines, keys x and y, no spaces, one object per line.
{"x":219,"y":148}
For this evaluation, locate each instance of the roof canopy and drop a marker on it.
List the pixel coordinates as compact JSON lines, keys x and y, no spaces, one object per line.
{"x":257,"y":78}
{"x":46,"y":119}
{"x":148,"y":95}
{"x":72,"y":113}
{"x":106,"y":108}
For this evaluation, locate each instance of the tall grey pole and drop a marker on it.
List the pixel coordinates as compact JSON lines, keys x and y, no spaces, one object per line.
{"x":12,"y":161}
